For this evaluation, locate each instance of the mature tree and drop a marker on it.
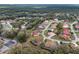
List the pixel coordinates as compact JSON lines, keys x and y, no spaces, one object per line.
{"x":59,"y":28}
{"x":10,"y":34}
{"x":22,"y":36}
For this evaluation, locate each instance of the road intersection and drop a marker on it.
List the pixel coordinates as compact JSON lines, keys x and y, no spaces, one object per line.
{"x":72,"y":30}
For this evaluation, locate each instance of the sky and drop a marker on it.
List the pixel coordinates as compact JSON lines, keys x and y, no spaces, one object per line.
{"x":39,"y":1}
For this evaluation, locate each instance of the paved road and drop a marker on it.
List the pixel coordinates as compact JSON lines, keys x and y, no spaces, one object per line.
{"x":46,"y":29}
{"x":50,"y":37}
{"x":72,"y":30}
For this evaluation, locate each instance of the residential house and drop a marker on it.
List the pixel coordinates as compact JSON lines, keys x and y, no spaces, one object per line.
{"x":77,"y":26}
{"x":53,"y":25}
{"x":37,"y":40}
{"x":49,"y":44}
{"x":65,"y":25}
{"x":66,"y":31}
{"x":35,"y":33}
{"x":51,"y":34}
